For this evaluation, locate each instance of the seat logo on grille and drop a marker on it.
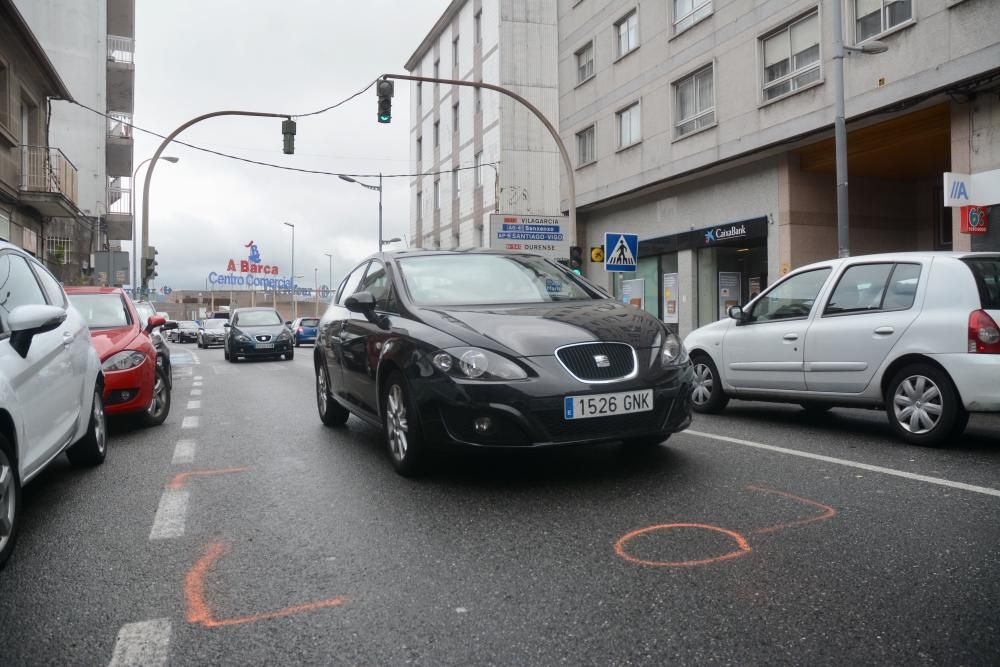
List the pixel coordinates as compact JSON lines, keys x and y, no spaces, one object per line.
{"x":602,"y":361}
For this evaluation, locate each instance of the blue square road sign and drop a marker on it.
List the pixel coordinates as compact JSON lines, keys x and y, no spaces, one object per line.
{"x":621,"y":252}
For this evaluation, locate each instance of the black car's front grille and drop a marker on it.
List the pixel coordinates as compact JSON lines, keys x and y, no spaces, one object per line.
{"x":598,"y":362}
{"x":561,"y":429}
{"x":262,"y":338}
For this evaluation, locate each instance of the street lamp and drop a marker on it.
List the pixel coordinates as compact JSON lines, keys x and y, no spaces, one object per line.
{"x":395,"y":239}
{"x":331,"y":269}
{"x":840,"y":123}
{"x":131,"y":210}
{"x":295,"y":309}
{"x":371,"y":187}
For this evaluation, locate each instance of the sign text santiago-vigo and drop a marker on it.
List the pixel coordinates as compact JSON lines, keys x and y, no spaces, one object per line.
{"x":542,"y":235}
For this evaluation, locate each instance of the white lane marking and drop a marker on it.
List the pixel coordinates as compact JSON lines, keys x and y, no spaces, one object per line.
{"x":141,"y":644}
{"x":170,"y":515}
{"x":853,"y":464}
{"x":196,"y":392}
{"x":196,"y":384}
{"x":184,"y":452}
{"x":196,"y":359}
{"x":197,"y":377}
{"x":194,"y":405}
{"x":190,"y":421}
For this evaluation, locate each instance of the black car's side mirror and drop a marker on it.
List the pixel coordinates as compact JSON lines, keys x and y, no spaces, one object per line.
{"x":362,"y":302}
{"x":288,"y":323}
{"x":226,"y":325}
{"x":169,"y":325}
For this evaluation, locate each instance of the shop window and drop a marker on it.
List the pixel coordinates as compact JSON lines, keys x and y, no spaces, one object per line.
{"x":791,"y":57}
{"x":695,"y":102}
{"x":873,"y":17}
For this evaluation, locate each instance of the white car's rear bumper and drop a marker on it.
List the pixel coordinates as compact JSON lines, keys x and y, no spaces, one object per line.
{"x":977,"y":377}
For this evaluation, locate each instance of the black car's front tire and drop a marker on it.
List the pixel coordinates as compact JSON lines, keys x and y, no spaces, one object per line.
{"x":400,"y":421}
{"x":331,"y":412}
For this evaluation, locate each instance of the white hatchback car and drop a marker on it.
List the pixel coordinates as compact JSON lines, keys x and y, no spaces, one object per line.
{"x":50,"y":383}
{"x":913,"y":333}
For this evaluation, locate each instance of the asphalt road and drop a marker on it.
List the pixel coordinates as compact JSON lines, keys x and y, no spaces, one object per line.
{"x":243,"y":531}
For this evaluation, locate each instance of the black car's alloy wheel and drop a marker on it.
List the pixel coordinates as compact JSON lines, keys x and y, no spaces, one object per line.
{"x":10,"y":500}
{"x":331,"y":413}
{"x":402,"y":430}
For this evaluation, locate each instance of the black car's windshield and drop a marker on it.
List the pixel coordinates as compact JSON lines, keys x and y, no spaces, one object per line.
{"x":213,"y":324}
{"x":486,"y":279}
{"x":257,"y":318}
{"x":102,"y":311}
{"x":187,"y":325}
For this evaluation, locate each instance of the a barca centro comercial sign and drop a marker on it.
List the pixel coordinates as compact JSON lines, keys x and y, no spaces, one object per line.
{"x":251,"y":272}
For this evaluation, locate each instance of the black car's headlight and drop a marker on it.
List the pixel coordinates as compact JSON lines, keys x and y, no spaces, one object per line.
{"x":284,"y":335}
{"x":477,"y":364}
{"x":669,"y":350}
{"x":243,"y":339}
{"x":123,"y":361}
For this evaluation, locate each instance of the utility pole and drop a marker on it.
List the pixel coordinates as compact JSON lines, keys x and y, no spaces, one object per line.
{"x":380,"y":211}
{"x":330,"y":284}
{"x":316,"y":290}
{"x":295,"y":309}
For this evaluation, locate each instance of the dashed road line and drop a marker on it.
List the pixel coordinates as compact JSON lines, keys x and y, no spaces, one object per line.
{"x":196,"y":383}
{"x":184,"y":452}
{"x":142,"y":644}
{"x":191,"y":421}
{"x":197,"y":377}
{"x":194,"y":405}
{"x":853,"y":464}
{"x":170,"y":515}
{"x":196,"y":392}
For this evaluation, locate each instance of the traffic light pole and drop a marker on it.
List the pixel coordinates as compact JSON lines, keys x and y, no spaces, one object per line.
{"x":156,"y":156}
{"x":533,"y":109}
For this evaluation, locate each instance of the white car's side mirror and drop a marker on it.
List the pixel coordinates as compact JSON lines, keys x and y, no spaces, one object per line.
{"x":737,"y":313}
{"x":26,"y":322}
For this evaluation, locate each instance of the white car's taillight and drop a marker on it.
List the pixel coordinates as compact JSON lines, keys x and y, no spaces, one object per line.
{"x":984,"y":335}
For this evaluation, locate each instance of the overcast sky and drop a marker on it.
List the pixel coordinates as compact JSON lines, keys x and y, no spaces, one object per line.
{"x":293,"y":56}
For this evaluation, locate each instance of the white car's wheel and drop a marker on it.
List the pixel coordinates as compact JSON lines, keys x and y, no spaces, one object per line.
{"x":10,"y":500}
{"x":707,"y":396}
{"x":923,"y":406}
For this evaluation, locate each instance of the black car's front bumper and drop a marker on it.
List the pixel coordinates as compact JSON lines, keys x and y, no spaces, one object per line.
{"x":530,"y":413}
{"x":251,"y":350}
{"x":209,"y":340}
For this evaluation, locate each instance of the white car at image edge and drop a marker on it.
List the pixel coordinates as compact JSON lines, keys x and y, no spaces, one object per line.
{"x":913,"y":333}
{"x":50,"y":384}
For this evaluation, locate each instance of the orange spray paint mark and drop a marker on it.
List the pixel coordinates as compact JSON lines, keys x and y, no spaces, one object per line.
{"x":199,"y":611}
{"x":179,"y":479}
{"x":742,"y":549}
{"x":828,"y":512}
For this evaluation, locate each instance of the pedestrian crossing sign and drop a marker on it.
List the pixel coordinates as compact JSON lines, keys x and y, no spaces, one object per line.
{"x":622,"y":252}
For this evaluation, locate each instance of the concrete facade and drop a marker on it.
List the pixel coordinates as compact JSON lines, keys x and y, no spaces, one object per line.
{"x":503,"y":42}
{"x":760,"y":151}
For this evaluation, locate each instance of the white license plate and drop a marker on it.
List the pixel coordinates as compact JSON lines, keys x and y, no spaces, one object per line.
{"x":265,"y":346}
{"x":604,"y":405}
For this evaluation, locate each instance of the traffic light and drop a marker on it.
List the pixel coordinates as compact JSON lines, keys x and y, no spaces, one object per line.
{"x":576,"y":259}
{"x":288,"y":130}
{"x":149,"y":264}
{"x":385,"y":89}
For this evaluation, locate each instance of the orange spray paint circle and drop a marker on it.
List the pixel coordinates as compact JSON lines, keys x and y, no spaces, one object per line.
{"x":742,"y":549}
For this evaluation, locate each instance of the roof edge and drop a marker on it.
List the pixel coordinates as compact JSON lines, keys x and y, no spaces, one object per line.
{"x":434,"y":33}
{"x":35,"y":48}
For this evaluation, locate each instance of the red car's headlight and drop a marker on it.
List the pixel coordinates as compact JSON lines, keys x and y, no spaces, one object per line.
{"x":123,"y":361}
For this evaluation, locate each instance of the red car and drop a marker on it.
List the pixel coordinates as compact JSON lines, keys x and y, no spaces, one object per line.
{"x":134,"y":383}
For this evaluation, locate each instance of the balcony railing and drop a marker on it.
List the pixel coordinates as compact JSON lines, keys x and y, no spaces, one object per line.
{"x":119,"y":201}
{"x":120,"y":124}
{"x":45,"y":169}
{"x":121,"y":49}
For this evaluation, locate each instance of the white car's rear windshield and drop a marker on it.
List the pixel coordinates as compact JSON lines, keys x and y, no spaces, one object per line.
{"x":987,"y":273}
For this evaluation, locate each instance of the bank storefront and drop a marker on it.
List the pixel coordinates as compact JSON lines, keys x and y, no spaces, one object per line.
{"x":691,"y":278}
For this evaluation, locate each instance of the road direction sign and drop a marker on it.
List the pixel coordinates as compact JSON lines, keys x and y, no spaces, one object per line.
{"x":622,"y":252}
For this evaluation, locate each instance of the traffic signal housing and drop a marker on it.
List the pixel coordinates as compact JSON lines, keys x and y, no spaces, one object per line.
{"x":576,"y":259}
{"x":385,"y":89}
{"x":288,"y":132}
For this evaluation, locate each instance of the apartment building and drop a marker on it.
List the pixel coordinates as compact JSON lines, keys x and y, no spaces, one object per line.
{"x":705,"y":126}
{"x":38,"y":182}
{"x":479,"y":150}
{"x":92,"y":45}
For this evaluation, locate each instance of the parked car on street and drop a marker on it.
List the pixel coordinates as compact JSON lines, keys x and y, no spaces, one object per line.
{"x":186,"y":331}
{"x":490,"y":349}
{"x":254,"y":333}
{"x":304,"y":330}
{"x":135,"y":383}
{"x":913,"y":333}
{"x":50,"y":384}
{"x":212,"y":332}
{"x":146,"y":311}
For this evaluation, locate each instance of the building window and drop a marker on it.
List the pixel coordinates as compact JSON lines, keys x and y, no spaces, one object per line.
{"x":628,"y":33}
{"x":456,"y":186}
{"x":420,"y":149}
{"x":437,"y":71}
{"x":791,"y":57}
{"x":420,"y":205}
{"x":58,"y":250}
{"x":477,"y":22}
{"x":420,"y":94}
{"x":437,"y":193}
{"x":873,"y":17}
{"x":585,"y":62}
{"x":4,"y":95}
{"x":437,"y":133}
{"x":454,"y":117}
{"x":454,"y":54}
{"x":585,"y":146}
{"x":695,"y":105}
{"x":629,"y":126}
{"x":5,"y":225}
{"x":477,"y":163}
{"x":689,"y":12}
{"x":479,"y":99}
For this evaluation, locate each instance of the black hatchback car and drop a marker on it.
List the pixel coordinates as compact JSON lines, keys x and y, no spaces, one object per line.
{"x":254,"y":333}
{"x":489,"y":349}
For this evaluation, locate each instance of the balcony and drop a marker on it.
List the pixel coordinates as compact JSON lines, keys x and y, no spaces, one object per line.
{"x":119,"y":216}
{"x":48,"y":181}
{"x":118,"y":157}
{"x":121,"y":72}
{"x":121,"y":50}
